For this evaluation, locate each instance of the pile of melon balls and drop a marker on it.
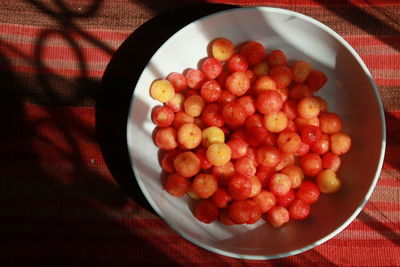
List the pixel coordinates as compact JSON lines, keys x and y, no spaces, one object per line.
{"x":245,"y":137}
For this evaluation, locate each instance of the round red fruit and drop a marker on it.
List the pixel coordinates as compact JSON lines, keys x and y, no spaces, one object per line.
{"x":239,"y":211}
{"x":162,"y":116}
{"x":238,"y":147}
{"x":221,"y":197}
{"x":178,"y":81}
{"x":316,"y":79}
{"x":331,"y":161}
{"x":330,"y":123}
{"x":238,"y":83}
{"x":282,"y":75}
{"x":280,"y":184}
{"x":245,"y":166}
{"x":299,"y":209}
{"x":210,"y":91}
{"x":276,"y":58}
{"x":310,"y":134}
{"x":311,"y":164}
{"x":286,"y":199}
{"x":234,"y":115}
{"x":268,"y":156}
{"x":256,"y":136}
{"x":255,"y":120}
{"x":277,"y":216}
{"x":211,"y":67}
{"x":195,"y":78}
{"x":206,"y":211}
{"x":167,"y":161}
{"x":239,"y":187}
{"x":269,"y":102}
{"x":165,"y":138}
{"x":255,"y":212}
{"x":177,"y":185}
{"x":202,"y":155}
{"x":237,"y":62}
{"x":265,"y":200}
{"x":322,"y":145}
{"x":226,"y":96}
{"x":263,"y":174}
{"x":248,"y":103}
{"x":289,"y":142}
{"x":308,"y":192}
{"x":212,"y":115}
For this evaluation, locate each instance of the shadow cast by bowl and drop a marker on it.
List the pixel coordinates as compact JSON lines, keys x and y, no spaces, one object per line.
{"x":118,"y":82}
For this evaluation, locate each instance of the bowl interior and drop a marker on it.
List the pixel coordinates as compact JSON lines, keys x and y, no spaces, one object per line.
{"x":350,"y":92}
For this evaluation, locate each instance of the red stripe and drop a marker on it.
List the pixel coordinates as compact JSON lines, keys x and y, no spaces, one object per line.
{"x":370,"y":40}
{"x":363,"y":243}
{"x":388,"y":167}
{"x":309,"y":3}
{"x":393,"y":182}
{"x":61,"y":134}
{"x":59,"y":71}
{"x":94,"y":222}
{"x":356,"y":256}
{"x":34,"y":31}
{"x":395,"y":113}
{"x":70,"y":130}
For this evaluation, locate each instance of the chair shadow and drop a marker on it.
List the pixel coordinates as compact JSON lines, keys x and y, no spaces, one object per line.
{"x":118,"y":82}
{"x":62,"y":210}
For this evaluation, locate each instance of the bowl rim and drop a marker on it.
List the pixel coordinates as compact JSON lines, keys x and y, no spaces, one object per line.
{"x":381,"y":156}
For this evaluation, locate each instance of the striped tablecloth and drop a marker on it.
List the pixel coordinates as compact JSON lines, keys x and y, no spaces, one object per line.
{"x":67,"y":193}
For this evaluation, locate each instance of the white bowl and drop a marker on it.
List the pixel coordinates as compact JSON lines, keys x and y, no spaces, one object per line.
{"x":350,"y":92}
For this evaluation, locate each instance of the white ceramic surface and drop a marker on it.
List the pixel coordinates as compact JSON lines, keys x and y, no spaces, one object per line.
{"x":350,"y":92}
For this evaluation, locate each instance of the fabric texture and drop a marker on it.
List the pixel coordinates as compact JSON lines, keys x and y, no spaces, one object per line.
{"x":67,"y":192}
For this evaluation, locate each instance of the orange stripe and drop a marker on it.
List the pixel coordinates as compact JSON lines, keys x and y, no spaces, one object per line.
{"x":48,"y":51}
{"x":391,"y":62}
{"x":387,"y":82}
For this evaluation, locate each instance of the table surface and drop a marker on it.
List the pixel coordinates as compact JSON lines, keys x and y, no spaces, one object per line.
{"x":67,"y":192}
